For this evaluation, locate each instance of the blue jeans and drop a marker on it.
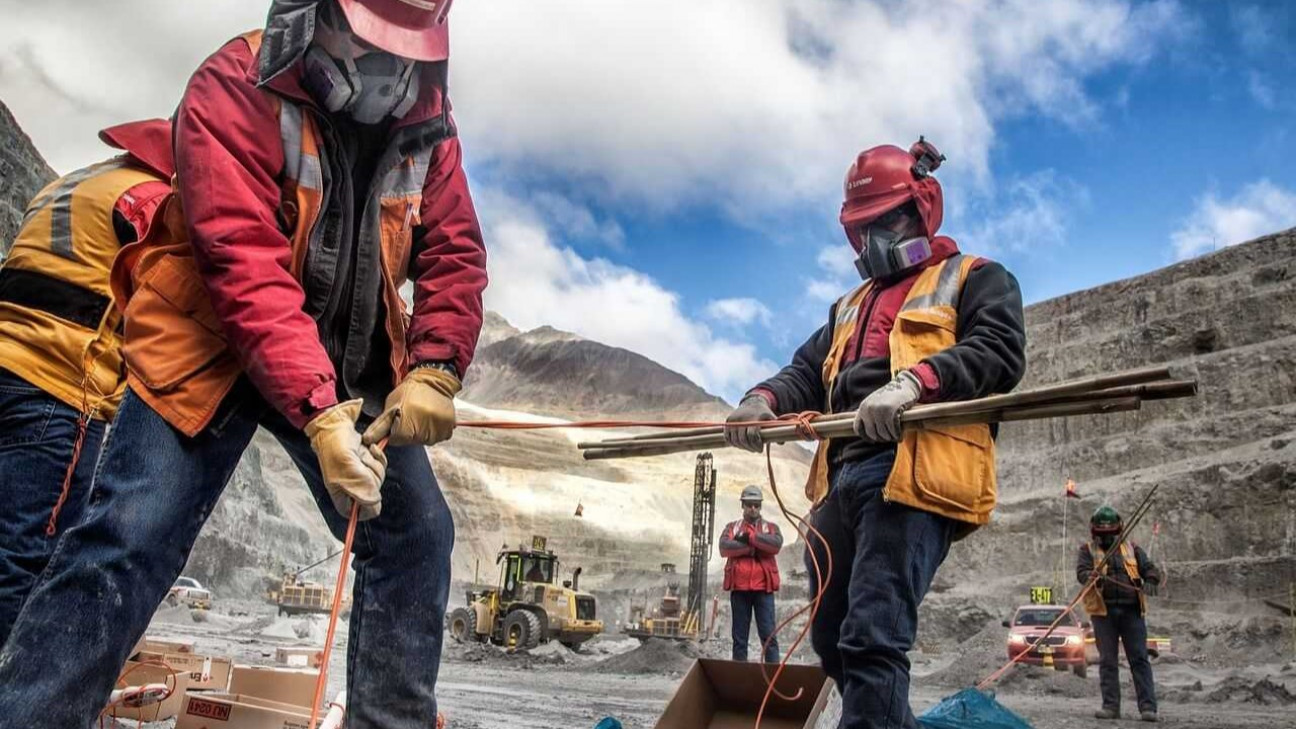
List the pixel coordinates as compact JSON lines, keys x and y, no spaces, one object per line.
{"x":153,"y":491}
{"x":1123,"y":624}
{"x":884,"y":558}
{"x":742,"y":603}
{"x":37,"y":437}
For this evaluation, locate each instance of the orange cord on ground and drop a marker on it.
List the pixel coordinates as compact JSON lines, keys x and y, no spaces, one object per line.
{"x":321,"y":682}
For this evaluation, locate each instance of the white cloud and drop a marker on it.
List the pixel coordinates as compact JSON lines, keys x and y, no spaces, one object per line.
{"x":766,"y":101}
{"x":536,"y":280}
{"x":739,"y":312}
{"x":1256,"y":210}
{"x":69,"y":68}
{"x":1028,"y":214}
{"x":1254,"y":27}
{"x":837,"y":275}
{"x":751,"y":104}
{"x":1261,"y":90}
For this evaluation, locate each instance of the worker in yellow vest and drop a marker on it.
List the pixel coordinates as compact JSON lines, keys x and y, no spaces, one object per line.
{"x":61,"y":374}
{"x":1117,"y":605}
{"x":928,"y":324}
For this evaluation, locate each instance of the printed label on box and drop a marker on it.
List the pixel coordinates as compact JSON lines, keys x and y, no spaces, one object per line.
{"x":208,"y":709}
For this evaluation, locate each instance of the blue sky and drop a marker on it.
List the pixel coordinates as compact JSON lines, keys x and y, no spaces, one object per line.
{"x":666,"y":176}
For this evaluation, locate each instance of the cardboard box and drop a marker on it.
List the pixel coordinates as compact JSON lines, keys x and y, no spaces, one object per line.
{"x":206,"y":673}
{"x":136,"y":673}
{"x":299,"y":656}
{"x":236,"y":711}
{"x":157,"y":645}
{"x":295,"y":686}
{"x":727,"y":694}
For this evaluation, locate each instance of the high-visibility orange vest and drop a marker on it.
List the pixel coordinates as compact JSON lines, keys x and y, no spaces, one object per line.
{"x":58,"y":328}
{"x":1093,"y":600}
{"x":177,"y":359}
{"x":948,"y":471}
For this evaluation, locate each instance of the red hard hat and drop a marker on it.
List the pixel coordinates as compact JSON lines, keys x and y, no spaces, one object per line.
{"x":886,"y":177}
{"x":413,"y":29}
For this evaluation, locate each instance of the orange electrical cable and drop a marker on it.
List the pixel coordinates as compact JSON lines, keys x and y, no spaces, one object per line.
{"x":321,"y":681}
{"x":822,"y":574}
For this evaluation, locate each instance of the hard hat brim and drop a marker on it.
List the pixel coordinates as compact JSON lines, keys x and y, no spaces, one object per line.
{"x":399,"y":28}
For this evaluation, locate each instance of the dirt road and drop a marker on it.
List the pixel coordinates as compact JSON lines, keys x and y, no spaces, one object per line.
{"x":481,"y":688}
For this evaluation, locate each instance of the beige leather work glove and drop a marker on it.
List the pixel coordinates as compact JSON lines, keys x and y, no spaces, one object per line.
{"x":352,"y":470}
{"x":420,"y":411}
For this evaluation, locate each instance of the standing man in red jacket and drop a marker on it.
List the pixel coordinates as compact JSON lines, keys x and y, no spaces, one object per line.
{"x":319,"y":170}
{"x":751,"y":574}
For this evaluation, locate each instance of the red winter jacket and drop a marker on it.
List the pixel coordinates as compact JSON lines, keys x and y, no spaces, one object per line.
{"x":751,"y":565}
{"x":230,"y":165}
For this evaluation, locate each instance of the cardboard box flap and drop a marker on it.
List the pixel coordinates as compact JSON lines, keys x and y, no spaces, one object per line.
{"x":727,"y":695}
{"x":294,"y":686}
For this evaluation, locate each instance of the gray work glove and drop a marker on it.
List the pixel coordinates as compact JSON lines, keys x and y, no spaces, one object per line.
{"x":753,"y":408}
{"x":878,"y":418}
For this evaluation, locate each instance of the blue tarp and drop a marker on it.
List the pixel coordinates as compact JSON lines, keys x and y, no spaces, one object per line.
{"x":971,"y":709}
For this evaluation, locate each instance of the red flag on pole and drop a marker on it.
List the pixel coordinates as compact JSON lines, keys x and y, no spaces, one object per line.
{"x":1071,"y":489}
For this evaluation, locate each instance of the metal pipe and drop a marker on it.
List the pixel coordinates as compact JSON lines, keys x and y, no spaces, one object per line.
{"x":845,"y":427}
{"x":1071,"y":388}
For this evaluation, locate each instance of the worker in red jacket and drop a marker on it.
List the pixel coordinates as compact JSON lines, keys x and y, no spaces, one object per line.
{"x":318,"y":169}
{"x":751,"y":574}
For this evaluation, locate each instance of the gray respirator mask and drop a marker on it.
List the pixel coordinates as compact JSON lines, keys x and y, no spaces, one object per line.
{"x":369,"y":89}
{"x":885,"y":254}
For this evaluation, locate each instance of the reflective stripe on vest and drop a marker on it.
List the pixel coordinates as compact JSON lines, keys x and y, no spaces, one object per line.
{"x":58,"y":329}
{"x":948,"y":471}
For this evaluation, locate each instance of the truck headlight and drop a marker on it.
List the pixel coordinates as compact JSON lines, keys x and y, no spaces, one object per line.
{"x":1017,"y":639}
{"x":1074,"y":640}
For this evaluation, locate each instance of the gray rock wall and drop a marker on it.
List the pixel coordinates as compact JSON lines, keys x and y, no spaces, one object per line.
{"x":23,"y":173}
{"x":1225,"y":461}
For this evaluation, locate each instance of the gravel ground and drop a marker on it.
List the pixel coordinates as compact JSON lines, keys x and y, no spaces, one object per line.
{"x":483,"y":687}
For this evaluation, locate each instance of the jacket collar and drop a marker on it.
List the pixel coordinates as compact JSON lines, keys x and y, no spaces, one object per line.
{"x":148,"y":141}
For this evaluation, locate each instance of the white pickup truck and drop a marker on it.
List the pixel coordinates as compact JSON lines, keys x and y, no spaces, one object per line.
{"x":187,"y":591}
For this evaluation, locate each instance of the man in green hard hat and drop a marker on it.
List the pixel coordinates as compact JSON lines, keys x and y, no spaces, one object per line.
{"x":1117,"y":605}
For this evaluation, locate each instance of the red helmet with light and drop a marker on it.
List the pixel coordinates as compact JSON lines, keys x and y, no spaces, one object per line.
{"x":879,"y":189}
